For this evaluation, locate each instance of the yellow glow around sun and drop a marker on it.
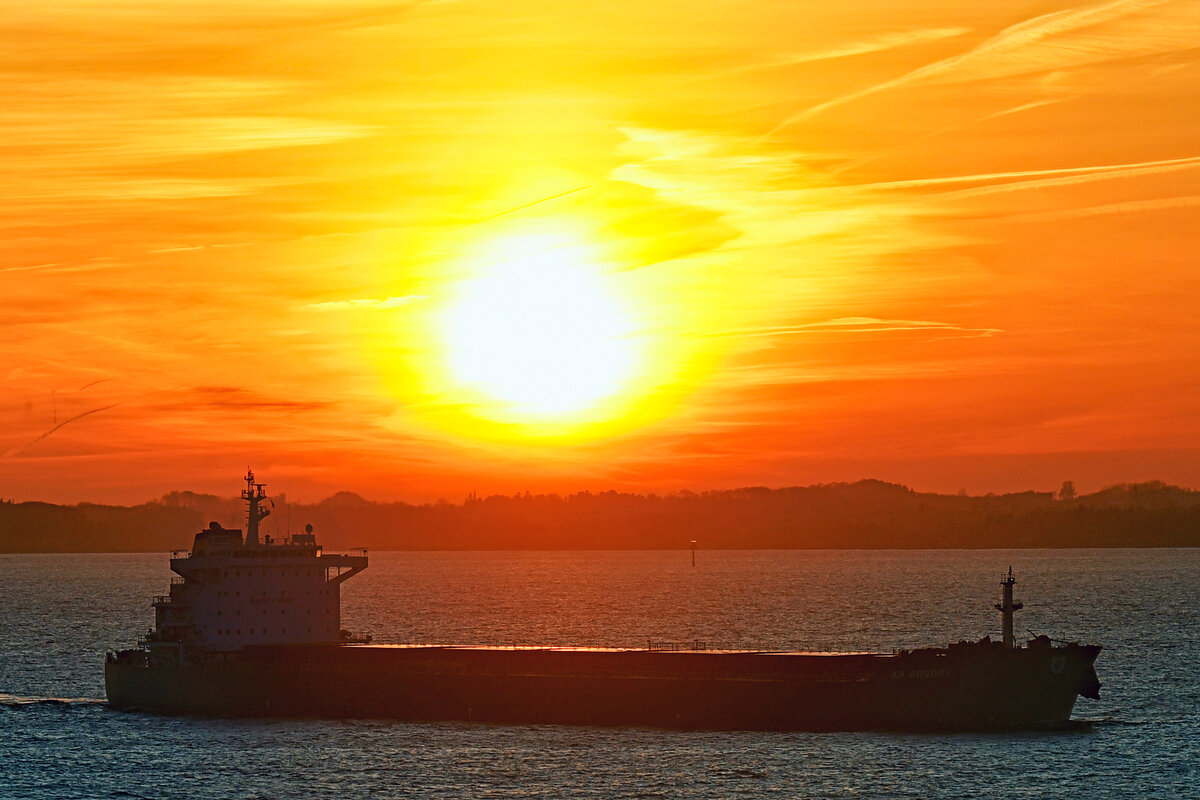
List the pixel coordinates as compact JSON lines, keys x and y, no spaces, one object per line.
{"x":538,"y":334}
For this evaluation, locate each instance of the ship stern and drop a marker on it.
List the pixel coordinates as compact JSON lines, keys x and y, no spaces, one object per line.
{"x":125,"y":678}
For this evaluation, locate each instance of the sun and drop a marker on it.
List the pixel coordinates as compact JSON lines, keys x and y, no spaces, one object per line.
{"x":539,"y":333}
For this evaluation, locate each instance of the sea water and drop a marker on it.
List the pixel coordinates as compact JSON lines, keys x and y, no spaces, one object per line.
{"x":59,"y":614}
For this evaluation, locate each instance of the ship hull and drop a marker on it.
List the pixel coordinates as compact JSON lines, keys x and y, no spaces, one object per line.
{"x":972,"y":687}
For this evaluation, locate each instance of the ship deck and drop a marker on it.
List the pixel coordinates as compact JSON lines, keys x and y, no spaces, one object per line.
{"x":654,"y":648}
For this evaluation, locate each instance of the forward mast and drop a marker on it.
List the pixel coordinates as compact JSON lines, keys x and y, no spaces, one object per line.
{"x":1007,"y":607}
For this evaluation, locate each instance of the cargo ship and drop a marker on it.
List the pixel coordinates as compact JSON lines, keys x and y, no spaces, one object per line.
{"x":252,"y":627}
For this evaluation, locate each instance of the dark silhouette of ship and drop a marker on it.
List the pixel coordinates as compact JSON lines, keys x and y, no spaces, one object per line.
{"x":252,"y":627}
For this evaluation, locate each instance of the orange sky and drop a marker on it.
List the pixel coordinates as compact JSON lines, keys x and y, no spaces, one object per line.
{"x":950,"y":245}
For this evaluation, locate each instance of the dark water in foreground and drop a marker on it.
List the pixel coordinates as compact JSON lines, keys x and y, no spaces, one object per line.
{"x":58,"y":615}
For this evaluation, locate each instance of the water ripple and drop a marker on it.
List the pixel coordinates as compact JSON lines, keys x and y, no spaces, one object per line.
{"x":61,"y":742}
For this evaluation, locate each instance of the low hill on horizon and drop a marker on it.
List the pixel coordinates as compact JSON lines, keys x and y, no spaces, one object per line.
{"x":868,"y":514}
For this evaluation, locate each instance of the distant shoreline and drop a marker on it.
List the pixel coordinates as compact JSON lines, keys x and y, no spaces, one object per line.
{"x":651,"y":550}
{"x":867,"y":515}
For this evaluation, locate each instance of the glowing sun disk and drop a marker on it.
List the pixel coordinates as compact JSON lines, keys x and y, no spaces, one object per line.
{"x":541,"y":334}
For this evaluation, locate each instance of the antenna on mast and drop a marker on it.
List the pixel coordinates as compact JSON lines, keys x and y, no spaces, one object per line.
{"x":254,"y":494}
{"x":1007,"y":607}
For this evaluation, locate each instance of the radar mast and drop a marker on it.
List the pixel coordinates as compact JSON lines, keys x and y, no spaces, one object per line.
{"x":1006,"y":608}
{"x":254,"y":494}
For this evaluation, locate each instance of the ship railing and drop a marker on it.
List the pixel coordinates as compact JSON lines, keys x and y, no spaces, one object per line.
{"x":695,"y":644}
{"x":350,"y":637}
{"x":676,"y":645}
{"x":178,"y":581}
{"x":680,"y":646}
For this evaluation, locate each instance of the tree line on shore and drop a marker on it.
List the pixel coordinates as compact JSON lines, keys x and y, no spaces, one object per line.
{"x":868,"y":514}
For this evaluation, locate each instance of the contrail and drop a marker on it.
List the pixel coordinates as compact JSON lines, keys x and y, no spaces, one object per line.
{"x":949,"y":129}
{"x":1021,"y":34}
{"x":1069,"y":178}
{"x":31,"y":443}
{"x":527,"y":205}
{"x":1043,"y":176}
{"x":1132,"y":206}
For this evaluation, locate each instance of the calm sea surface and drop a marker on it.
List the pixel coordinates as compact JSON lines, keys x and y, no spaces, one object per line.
{"x":59,"y":614}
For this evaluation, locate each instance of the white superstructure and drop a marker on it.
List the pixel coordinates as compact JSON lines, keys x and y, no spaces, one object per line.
{"x":233,"y":592}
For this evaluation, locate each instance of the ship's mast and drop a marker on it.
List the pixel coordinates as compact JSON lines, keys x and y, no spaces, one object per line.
{"x":1007,"y":607}
{"x":254,"y":494}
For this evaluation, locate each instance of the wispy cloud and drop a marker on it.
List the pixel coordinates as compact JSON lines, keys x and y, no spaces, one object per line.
{"x":137,"y":135}
{"x":231,"y":399}
{"x":857,"y":325}
{"x":875,"y":44}
{"x":1036,"y":178}
{"x":1058,"y":40}
{"x":84,"y":189}
{"x":886,"y":41}
{"x":366,"y":304}
{"x":1043,"y":179}
{"x":1107,"y":209}
{"x":966,"y":124}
